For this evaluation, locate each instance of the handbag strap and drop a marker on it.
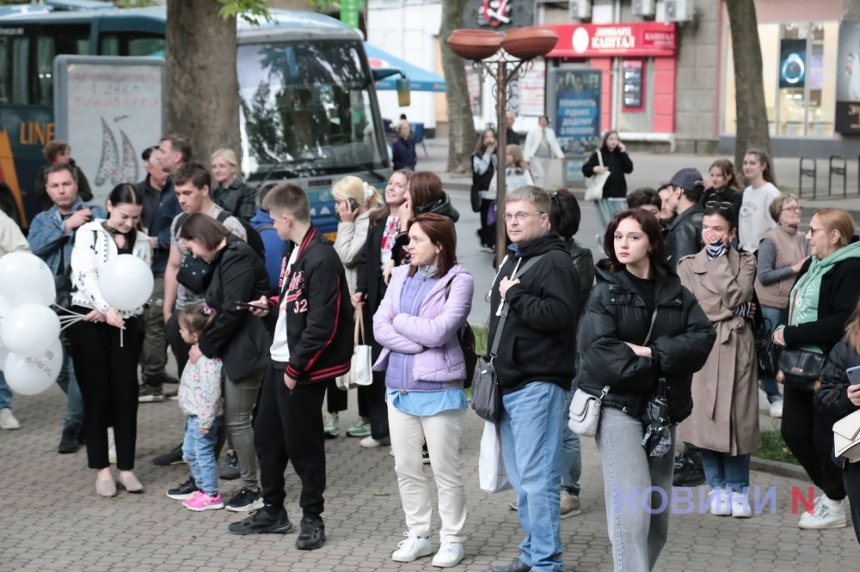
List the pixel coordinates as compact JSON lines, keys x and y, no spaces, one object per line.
{"x":600,"y":157}
{"x":358,"y":332}
{"x":651,"y":327}
{"x":503,"y":316}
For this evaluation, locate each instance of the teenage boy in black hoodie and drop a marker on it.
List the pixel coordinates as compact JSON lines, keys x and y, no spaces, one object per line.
{"x":536,"y":290}
{"x":312,"y":344}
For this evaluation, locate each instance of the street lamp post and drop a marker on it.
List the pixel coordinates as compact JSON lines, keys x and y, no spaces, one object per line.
{"x":502,"y":57}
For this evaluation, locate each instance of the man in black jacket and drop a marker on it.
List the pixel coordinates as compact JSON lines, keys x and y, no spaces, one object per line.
{"x":312,"y":345}
{"x":684,"y":234}
{"x":535,"y":292}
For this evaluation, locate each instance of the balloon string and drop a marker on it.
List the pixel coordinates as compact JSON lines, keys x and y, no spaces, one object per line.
{"x":68,"y":310}
{"x":120,"y":338}
{"x":68,"y":323}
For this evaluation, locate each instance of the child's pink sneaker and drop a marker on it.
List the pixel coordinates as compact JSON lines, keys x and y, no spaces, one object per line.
{"x":200,"y":501}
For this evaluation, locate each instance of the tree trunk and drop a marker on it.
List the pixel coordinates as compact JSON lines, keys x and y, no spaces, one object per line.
{"x":752,"y":131}
{"x":461,"y":136}
{"x":202,"y":85}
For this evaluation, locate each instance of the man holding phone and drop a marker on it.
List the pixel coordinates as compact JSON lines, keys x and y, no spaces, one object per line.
{"x":311,"y":346}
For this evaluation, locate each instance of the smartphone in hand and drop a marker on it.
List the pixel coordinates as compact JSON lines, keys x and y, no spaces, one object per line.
{"x":853,"y":375}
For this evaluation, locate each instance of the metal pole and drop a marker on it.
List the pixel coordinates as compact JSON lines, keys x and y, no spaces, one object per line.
{"x":501,"y":179}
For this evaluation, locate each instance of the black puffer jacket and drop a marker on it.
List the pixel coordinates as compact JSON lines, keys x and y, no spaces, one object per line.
{"x":441,"y":206}
{"x":832,"y":396}
{"x":680,"y":343}
{"x":583,"y":261}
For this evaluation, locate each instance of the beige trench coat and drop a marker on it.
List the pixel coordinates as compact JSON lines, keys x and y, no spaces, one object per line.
{"x":725,"y":391}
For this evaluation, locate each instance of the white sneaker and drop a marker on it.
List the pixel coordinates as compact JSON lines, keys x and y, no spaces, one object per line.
{"x":7,"y":420}
{"x":111,"y":447}
{"x":776,"y":409}
{"x":450,"y":554}
{"x":719,"y":500}
{"x":740,"y":506}
{"x":370,"y":442}
{"x":412,"y":548}
{"x":827,"y":513}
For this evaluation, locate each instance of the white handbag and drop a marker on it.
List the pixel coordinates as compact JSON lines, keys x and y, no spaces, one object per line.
{"x":360,"y":371}
{"x":585,"y":412}
{"x":491,"y":466}
{"x":594,"y":190}
{"x":846,"y":437}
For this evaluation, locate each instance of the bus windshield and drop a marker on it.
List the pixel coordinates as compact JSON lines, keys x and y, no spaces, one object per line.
{"x":306,"y":109}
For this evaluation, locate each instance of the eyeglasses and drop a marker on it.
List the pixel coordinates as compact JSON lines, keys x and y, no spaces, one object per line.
{"x":812,"y":230}
{"x":794,"y":209}
{"x":521,"y":216}
{"x":722,"y":205}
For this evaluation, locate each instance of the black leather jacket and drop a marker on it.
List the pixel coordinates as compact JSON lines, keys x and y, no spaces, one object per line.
{"x":683,"y":235}
{"x":831,"y":398}
{"x":680,"y":343}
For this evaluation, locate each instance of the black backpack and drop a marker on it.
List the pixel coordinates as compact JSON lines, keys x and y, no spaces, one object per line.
{"x":253,"y":237}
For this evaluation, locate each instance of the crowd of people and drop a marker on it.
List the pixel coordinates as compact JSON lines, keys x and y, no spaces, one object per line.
{"x":258,"y":309}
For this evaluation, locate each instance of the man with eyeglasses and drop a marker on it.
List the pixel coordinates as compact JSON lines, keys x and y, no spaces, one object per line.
{"x":683,"y":235}
{"x":534,"y":308}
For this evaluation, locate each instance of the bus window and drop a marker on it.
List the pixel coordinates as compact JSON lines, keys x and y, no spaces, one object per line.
{"x":20,"y":70}
{"x":45,"y":52}
{"x":130,"y":44}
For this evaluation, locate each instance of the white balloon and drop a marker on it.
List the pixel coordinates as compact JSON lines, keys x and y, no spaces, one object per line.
{"x":5,"y":308}
{"x":30,"y":329}
{"x":32,"y":375}
{"x":26,"y":279}
{"x":126,"y":282}
{"x":3,"y":353}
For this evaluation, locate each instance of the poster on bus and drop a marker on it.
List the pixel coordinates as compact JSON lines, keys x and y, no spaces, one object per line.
{"x":109,"y":109}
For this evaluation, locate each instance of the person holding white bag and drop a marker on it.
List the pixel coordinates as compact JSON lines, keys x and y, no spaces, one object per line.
{"x":611,"y":157}
{"x":417,"y":325}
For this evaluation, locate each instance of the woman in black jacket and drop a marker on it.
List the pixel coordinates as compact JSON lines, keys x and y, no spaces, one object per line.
{"x":819,"y":305}
{"x":621,"y":349}
{"x":236,"y":336}
{"x":615,"y":160}
{"x":837,"y":397}
{"x":379,"y":249}
{"x":484,"y":164}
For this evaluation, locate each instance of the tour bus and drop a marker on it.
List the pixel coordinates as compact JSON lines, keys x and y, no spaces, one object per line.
{"x":309,"y":112}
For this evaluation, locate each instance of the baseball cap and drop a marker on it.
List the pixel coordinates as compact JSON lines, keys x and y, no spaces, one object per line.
{"x":688,"y":179}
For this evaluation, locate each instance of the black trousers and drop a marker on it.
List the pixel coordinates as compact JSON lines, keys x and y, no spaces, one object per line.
{"x":808,"y":433}
{"x":377,"y":409}
{"x":177,"y":345}
{"x":289,"y":428}
{"x":851,"y":480}
{"x":336,"y":398}
{"x":487,"y":232}
{"x":107,"y":375}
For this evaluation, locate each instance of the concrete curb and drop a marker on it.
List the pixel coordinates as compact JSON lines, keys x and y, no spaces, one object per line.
{"x":777,"y":468}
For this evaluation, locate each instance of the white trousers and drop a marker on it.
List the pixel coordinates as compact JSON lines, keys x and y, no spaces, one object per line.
{"x":442,"y":432}
{"x":539,"y":167}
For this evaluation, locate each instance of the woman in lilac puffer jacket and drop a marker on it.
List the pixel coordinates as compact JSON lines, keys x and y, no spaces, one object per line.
{"x":426,"y":304}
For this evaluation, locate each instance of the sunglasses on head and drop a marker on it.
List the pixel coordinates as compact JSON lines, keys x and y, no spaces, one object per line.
{"x":721,"y":205}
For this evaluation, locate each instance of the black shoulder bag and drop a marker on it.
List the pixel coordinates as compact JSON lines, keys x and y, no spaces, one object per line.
{"x":486,"y":395}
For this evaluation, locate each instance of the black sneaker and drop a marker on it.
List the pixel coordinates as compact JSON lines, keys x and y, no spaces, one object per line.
{"x":183,"y":491}
{"x":69,"y":441}
{"x":172,"y":457}
{"x":312,"y":535}
{"x":149,"y":393}
{"x":245,"y":500}
{"x":230,"y":470}
{"x":262,"y":522}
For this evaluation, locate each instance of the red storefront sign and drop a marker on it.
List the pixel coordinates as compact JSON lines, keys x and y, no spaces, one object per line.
{"x":635,"y":39}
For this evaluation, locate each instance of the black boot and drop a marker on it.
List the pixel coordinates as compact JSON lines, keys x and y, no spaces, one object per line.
{"x":69,"y":441}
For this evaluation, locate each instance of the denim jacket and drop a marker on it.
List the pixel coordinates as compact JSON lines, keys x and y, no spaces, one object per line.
{"x":431,"y":336}
{"x":48,"y":234}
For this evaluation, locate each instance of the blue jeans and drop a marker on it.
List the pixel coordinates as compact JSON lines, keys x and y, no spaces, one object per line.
{"x":198,"y":450}
{"x":571,"y":450}
{"x":531,"y":445}
{"x":769,"y":385}
{"x":74,"y":401}
{"x":637,"y":490}
{"x":5,"y":393}
{"x":725,"y":471}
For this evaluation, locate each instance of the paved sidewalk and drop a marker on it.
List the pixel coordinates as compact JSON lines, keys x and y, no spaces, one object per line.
{"x":52,"y":519}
